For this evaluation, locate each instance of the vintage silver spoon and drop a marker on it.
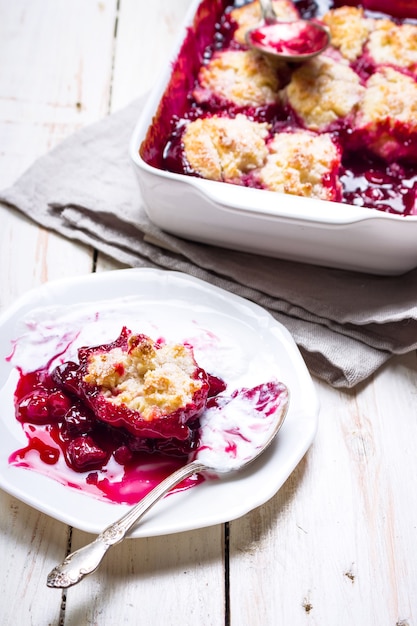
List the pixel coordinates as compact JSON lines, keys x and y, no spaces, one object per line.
{"x":294,"y":41}
{"x":228,"y":422}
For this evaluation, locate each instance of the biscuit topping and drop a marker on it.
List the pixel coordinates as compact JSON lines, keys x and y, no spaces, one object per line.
{"x":224,"y":149}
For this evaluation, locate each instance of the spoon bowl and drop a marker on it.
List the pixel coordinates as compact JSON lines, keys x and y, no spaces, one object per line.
{"x":293,"y":41}
{"x":230,"y":440}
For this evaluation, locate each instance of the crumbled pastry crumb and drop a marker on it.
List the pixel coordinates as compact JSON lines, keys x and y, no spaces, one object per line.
{"x":394,"y":44}
{"x":323,"y":91}
{"x":389,"y":102}
{"x":145,"y":378}
{"x":349,"y":30}
{"x":303,"y":164}
{"x":249,"y":16}
{"x":244,"y":77}
{"x":220,"y":148}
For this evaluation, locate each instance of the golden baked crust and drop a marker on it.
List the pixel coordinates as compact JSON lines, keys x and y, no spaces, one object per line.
{"x":349,"y":30}
{"x":249,"y":15}
{"x":323,"y":91}
{"x":394,"y":44}
{"x":302,"y":164}
{"x":389,"y":104}
{"x":223,"y":149}
{"x":243,"y":77}
{"x":145,"y":379}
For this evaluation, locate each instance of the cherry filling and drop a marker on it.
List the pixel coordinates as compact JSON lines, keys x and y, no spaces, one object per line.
{"x":88,"y":423}
{"x":391,"y":188}
{"x":397,"y":8}
{"x":43,"y":398}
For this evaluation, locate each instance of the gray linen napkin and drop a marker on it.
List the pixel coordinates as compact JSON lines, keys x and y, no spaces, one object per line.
{"x":346,"y":324}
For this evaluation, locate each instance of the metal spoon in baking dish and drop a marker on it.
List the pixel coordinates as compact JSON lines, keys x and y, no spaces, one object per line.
{"x":232,"y":435}
{"x":295,"y":41}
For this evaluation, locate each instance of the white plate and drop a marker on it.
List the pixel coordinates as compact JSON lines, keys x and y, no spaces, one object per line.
{"x":232,"y":337}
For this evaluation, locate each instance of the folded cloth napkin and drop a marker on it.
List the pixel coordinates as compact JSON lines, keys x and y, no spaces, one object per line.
{"x":346,"y":324}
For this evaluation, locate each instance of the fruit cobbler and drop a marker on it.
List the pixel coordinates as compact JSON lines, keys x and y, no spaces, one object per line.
{"x":120,"y":398}
{"x":341,"y":126}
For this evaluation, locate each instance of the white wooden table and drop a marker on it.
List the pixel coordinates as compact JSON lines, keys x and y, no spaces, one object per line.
{"x":338,"y":543}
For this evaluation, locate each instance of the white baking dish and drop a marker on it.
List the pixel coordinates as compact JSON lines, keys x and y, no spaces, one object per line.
{"x":265,"y":222}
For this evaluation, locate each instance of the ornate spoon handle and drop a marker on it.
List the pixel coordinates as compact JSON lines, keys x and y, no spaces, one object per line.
{"x":87,"y":559}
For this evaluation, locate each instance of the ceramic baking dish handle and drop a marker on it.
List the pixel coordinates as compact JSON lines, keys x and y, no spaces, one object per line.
{"x":271,"y":203}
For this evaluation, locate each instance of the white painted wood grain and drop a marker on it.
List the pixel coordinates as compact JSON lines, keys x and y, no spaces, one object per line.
{"x":336,"y":545}
{"x":30,"y":544}
{"x":177,"y":579}
{"x":55,"y":80}
{"x":145,"y":39}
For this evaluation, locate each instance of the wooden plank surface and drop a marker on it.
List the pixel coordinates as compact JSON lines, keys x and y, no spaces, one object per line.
{"x":337,"y":544}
